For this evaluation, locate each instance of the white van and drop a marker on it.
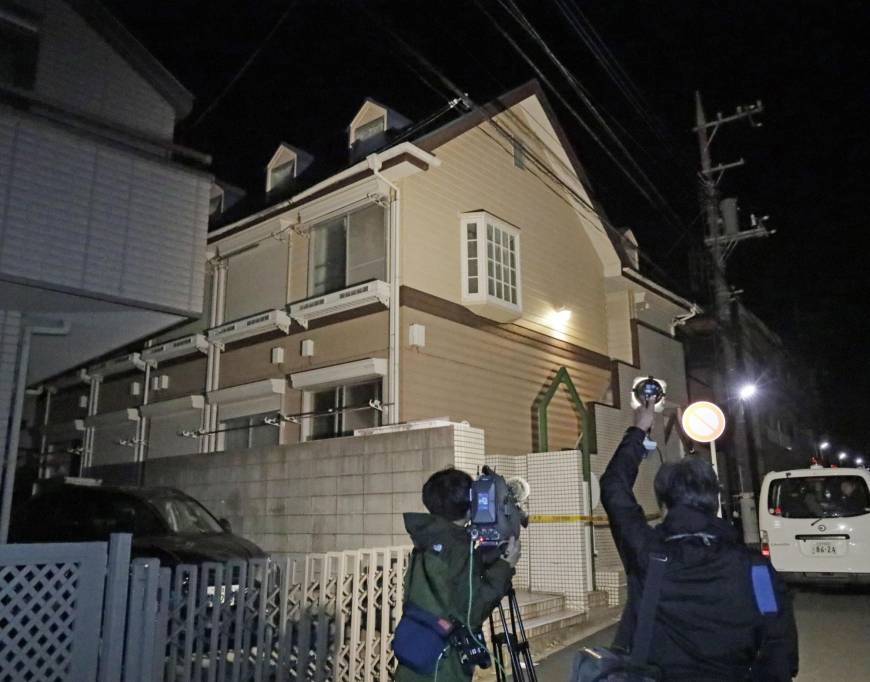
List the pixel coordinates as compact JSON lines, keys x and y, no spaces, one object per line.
{"x":815,"y":524}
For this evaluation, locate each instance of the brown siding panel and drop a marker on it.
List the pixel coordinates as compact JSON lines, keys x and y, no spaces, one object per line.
{"x":490,"y":381}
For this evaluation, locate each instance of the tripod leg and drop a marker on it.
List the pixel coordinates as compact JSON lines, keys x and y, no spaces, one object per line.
{"x":521,"y":641}
{"x":510,"y":640}
{"x":497,"y":654}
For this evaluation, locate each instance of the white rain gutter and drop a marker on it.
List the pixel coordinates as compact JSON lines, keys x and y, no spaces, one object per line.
{"x":632,"y":274}
{"x":375,"y":163}
{"x":60,"y":328}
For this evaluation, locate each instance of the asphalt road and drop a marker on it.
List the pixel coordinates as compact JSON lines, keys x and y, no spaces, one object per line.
{"x":833,"y":629}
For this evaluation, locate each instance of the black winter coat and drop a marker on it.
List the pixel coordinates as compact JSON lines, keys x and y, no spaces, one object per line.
{"x":708,"y":627}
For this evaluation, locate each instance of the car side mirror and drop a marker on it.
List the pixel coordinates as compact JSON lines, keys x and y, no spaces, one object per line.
{"x":226,"y":525}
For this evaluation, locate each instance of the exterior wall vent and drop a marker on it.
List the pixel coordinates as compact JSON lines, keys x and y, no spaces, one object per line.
{"x":176,"y":349}
{"x":356,"y":296}
{"x":253,"y":325}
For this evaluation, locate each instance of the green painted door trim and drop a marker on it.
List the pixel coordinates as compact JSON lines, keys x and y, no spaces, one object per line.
{"x":587,"y":421}
{"x":587,"y":424}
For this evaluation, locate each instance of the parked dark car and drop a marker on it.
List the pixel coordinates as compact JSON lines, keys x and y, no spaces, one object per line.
{"x":165,"y":523}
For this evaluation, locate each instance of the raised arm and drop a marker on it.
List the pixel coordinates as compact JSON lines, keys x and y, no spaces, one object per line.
{"x":627,"y":519}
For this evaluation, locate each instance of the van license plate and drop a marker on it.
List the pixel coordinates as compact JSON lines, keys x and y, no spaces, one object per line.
{"x":825,"y":548}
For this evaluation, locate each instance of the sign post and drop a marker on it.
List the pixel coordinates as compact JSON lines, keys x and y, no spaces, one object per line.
{"x":704,"y":422}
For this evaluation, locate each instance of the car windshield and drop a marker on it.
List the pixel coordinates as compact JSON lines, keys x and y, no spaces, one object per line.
{"x":815,"y":497}
{"x":185,"y":516}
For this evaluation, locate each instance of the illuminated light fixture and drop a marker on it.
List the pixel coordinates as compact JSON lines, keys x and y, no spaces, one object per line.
{"x":842,"y":456}
{"x":859,"y":461}
{"x":559,"y":317}
{"x":824,"y":445}
{"x":747,"y":391}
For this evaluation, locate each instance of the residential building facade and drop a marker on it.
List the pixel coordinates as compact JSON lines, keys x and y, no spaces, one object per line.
{"x":461,"y":274}
{"x":103,"y":219}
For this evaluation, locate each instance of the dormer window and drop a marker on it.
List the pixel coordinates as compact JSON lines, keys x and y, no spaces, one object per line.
{"x":216,"y":200}
{"x":370,"y":129}
{"x":287,"y":164}
{"x":282,"y":174}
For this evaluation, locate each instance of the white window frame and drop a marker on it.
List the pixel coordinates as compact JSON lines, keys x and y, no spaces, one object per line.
{"x":273,"y":184}
{"x":308,"y":402}
{"x":482,"y":297}
{"x":312,"y":381}
{"x":345,"y":216}
{"x":378,"y":119}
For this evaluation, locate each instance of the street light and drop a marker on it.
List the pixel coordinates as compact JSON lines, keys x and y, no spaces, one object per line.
{"x":842,"y":456}
{"x":747,"y":391}
{"x":859,"y":461}
{"x":824,"y":445}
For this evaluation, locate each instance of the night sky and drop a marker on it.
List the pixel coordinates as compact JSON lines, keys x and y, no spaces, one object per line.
{"x":807,"y":167}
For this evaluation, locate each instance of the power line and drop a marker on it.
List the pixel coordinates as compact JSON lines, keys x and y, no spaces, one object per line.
{"x":454,"y":89}
{"x":584,"y":28}
{"x":659,"y":204}
{"x":241,"y":72}
{"x":513,"y":9}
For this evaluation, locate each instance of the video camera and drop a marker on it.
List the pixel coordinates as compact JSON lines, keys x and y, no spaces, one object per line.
{"x":496,"y":514}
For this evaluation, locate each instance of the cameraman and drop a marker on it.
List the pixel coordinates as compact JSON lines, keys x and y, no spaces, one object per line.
{"x":445,"y":572}
{"x":709,"y":625}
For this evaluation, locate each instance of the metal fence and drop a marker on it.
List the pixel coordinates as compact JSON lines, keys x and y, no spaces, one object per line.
{"x":329,"y":617}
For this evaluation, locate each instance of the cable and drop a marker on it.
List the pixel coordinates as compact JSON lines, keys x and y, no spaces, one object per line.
{"x":661,"y":204}
{"x":241,"y":72}
{"x":516,"y":13}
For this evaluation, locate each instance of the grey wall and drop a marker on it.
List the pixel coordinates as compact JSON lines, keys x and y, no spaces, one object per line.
{"x":342,"y":493}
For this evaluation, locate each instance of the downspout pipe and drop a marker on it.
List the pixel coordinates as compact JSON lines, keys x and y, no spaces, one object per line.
{"x":45,"y":328}
{"x":375,"y":163}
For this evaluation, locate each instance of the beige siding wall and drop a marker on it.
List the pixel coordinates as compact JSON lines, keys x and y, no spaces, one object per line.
{"x":185,"y":378}
{"x":558,"y":263}
{"x":363,"y":337}
{"x":298,"y":267}
{"x":491,"y":382}
{"x":65,"y":405}
{"x":619,"y":326}
{"x":115,"y":393}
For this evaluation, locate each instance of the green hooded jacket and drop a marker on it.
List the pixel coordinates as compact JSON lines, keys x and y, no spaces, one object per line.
{"x":438,"y":581}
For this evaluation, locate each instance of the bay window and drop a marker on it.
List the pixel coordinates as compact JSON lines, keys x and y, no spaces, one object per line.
{"x":491,"y":264}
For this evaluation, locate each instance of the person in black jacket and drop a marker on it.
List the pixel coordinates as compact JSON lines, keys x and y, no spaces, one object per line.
{"x":711,"y":624}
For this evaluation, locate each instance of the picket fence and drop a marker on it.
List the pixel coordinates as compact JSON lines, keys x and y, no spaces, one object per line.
{"x":327,"y":618}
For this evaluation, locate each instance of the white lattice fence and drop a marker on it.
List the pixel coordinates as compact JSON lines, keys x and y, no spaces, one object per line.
{"x":329,"y":619}
{"x":51,"y":597}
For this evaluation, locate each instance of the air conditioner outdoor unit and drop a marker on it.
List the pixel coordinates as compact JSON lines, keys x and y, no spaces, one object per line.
{"x":250,"y":326}
{"x":176,"y":349}
{"x":356,"y":296}
{"x":118,"y":365}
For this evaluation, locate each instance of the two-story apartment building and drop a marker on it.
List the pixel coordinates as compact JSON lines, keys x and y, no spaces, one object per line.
{"x":103,"y":219}
{"x":446,"y":272}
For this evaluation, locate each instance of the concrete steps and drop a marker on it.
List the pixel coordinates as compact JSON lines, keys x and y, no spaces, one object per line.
{"x":550,"y":625}
{"x":542,"y":613}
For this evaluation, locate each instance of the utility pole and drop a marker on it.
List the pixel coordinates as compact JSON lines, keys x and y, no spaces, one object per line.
{"x":723,"y":235}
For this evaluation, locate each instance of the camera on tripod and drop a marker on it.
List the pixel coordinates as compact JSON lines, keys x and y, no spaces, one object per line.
{"x":496,"y":514}
{"x":644,"y":389}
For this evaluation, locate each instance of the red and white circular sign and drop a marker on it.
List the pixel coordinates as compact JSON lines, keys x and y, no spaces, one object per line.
{"x":703,"y":422}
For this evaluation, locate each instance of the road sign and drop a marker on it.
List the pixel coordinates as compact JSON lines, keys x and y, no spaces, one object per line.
{"x":703,"y":422}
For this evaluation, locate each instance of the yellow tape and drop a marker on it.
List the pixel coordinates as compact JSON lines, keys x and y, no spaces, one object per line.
{"x":570,"y":518}
{"x":557,"y":518}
